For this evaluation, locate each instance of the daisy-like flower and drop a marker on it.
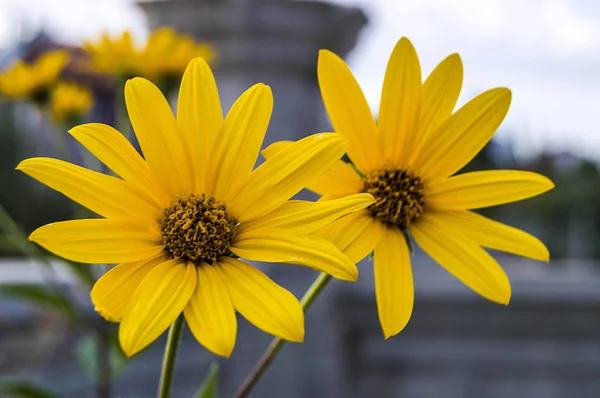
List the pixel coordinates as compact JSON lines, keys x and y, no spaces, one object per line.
{"x":178,"y":220}
{"x":33,"y":81}
{"x":114,"y":55}
{"x":70,"y":101}
{"x":167,"y":53}
{"x":407,"y":161}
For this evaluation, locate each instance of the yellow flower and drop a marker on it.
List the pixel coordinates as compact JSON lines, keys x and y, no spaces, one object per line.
{"x":114,"y":55}
{"x":178,"y":219}
{"x":407,"y":160}
{"x":167,"y":54}
{"x":69,"y":100}
{"x":33,"y":81}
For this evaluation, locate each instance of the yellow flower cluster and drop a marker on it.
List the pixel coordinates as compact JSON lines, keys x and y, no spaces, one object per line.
{"x":184,"y":219}
{"x":164,"y":56}
{"x":33,"y":81}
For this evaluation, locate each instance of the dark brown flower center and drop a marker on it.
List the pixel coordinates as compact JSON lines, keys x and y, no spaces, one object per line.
{"x":197,"y":228}
{"x":398,"y":196}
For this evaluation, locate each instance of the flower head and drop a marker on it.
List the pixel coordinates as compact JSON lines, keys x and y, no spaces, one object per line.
{"x":33,"y":81}
{"x":407,"y":161}
{"x":114,"y":55}
{"x":165,"y":55}
{"x":70,"y":101}
{"x":179,"y":219}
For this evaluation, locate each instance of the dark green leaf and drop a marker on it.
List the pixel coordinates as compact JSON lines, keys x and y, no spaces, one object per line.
{"x":44,"y":297}
{"x":83,"y":272}
{"x":87,"y":355}
{"x":24,"y":389}
{"x":209,"y":386}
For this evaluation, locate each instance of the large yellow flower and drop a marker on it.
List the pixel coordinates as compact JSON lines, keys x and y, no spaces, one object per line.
{"x":178,"y":219}
{"x":33,"y":81}
{"x":407,"y":160}
{"x":70,"y":101}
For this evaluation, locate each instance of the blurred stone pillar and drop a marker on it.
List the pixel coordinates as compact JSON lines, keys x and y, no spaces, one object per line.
{"x":274,"y":42}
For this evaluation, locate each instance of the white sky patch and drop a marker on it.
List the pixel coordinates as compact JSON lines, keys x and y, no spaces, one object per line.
{"x":546,"y":51}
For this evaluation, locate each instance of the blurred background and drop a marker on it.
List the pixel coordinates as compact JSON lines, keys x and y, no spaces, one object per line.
{"x":545,"y":344}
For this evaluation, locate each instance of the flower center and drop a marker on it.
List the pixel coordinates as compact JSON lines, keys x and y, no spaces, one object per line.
{"x":197,"y":228}
{"x":398,"y":196}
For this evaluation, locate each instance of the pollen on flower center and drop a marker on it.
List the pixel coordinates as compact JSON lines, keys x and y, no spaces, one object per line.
{"x":398,"y":196}
{"x":197,"y":228}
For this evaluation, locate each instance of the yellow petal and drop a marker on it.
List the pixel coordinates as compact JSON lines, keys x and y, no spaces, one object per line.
{"x":486,"y":188}
{"x":105,"y":195}
{"x":156,"y":304}
{"x":275,"y":246}
{"x":239,"y":141}
{"x":400,"y":105}
{"x":440,"y":93}
{"x":492,"y":234}
{"x":394,"y":287}
{"x":339,"y":181}
{"x":463,"y":135}
{"x":305,"y":217}
{"x":274,"y":148}
{"x":210,"y":312}
{"x":117,"y":153}
{"x":348,"y":110}
{"x":356,"y":235}
{"x":468,"y":262}
{"x":112,"y":292}
{"x":261,"y":301}
{"x":285,"y":174}
{"x":99,"y":240}
{"x":158,"y":133}
{"x":199,"y":115}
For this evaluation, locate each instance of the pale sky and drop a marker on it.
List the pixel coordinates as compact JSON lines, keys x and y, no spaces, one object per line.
{"x":546,"y":51}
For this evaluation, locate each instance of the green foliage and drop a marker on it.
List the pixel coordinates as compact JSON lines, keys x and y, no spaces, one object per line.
{"x":23,"y":389}
{"x":210,"y":384}
{"x":43,"y":296}
{"x":87,"y":354}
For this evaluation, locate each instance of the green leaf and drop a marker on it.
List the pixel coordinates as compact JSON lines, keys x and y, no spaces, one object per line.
{"x":87,"y":355}
{"x":83,"y":272}
{"x":24,"y":389}
{"x":209,"y":386}
{"x":43,"y":296}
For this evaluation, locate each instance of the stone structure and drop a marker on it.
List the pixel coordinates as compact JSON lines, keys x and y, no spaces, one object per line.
{"x":274,"y":42}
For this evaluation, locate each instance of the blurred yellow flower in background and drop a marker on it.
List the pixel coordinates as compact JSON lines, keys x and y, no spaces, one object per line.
{"x":70,"y":101}
{"x":166,"y":54}
{"x":33,"y":81}
{"x":114,"y":55}
{"x":406,"y":160}
{"x":179,"y":217}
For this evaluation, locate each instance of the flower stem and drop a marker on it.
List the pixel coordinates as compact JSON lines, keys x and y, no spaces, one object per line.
{"x":267,"y":357}
{"x":168,"y":366}
{"x":103,"y":357}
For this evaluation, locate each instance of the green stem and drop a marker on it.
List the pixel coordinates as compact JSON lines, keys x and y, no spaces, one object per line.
{"x":103,"y":358}
{"x":168,"y":366}
{"x":267,"y":357}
